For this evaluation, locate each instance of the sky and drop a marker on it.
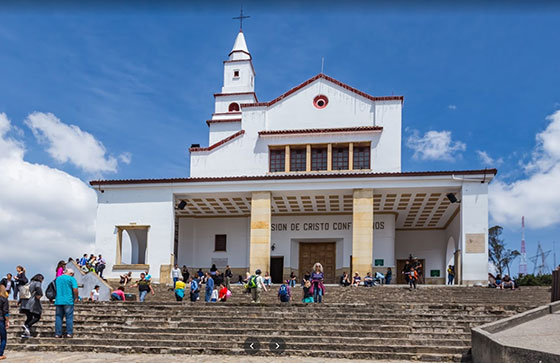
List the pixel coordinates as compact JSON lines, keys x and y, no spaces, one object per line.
{"x":114,"y":91}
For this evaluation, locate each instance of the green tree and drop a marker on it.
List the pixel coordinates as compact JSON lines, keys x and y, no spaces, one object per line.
{"x":498,"y":254}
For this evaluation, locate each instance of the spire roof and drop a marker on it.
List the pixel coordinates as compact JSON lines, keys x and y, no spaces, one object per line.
{"x":240,"y":44}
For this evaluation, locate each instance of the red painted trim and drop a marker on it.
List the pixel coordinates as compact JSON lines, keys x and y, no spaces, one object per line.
{"x":242,"y":60}
{"x":226,"y":113}
{"x":236,"y":94}
{"x":219,"y":143}
{"x":296,"y":176}
{"x":208,"y":122}
{"x":330,"y":79}
{"x":320,"y":131}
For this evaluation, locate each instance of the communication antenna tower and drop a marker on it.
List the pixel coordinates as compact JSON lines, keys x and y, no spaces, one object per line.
{"x":541,"y":255}
{"x":523,"y":260}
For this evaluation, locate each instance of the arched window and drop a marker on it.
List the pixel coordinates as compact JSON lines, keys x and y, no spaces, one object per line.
{"x":233,"y":107}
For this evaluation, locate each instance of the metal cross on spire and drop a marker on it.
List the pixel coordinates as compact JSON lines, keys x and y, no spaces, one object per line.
{"x":241,"y":17}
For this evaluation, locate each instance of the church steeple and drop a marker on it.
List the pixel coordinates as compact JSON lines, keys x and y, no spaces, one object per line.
{"x":239,"y":74}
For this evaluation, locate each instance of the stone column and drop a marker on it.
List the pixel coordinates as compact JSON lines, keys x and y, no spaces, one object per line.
{"x":362,"y":231}
{"x":259,"y":249}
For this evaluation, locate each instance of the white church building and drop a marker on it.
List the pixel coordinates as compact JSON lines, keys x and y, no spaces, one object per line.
{"x":313,"y":175}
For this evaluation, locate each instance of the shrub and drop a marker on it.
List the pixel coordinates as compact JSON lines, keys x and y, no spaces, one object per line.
{"x":535,"y":280}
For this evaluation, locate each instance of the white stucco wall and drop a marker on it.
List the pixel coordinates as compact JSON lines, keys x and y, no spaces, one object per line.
{"x":220,"y":130}
{"x":141,"y":206}
{"x":248,"y":154}
{"x":384,"y":239}
{"x":474,"y":219}
{"x":423,"y":244}
{"x":196,"y":241}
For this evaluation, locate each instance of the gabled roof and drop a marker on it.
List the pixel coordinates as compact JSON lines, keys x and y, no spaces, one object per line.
{"x":330,"y":79}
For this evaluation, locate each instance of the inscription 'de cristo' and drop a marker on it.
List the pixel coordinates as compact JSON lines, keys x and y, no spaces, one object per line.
{"x":318,"y":226}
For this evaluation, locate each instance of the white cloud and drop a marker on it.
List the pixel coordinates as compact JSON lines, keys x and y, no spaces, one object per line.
{"x":45,"y":214}
{"x":125,"y":158}
{"x":434,"y":145}
{"x":537,"y":196}
{"x":68,"y":143}
{"x":452,"y":107}
{"x":487,"y":160}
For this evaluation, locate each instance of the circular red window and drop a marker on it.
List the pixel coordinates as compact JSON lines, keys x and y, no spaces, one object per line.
{"x":320,"y":101}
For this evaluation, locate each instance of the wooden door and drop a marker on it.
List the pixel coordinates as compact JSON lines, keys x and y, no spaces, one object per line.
{"x":277,"y":269}
{"x":324,"y":253}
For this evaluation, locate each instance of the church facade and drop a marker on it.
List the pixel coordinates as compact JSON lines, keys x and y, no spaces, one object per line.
{"x":311,"y":176}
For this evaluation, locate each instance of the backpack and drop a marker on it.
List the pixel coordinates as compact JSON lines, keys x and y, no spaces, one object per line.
{"x":252,"y":283}
{"x":50,"y":293}
{"x":283,"y":293}
{"x":24,"y":292}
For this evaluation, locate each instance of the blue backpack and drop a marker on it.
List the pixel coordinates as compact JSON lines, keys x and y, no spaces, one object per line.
{"x":283,"y":293}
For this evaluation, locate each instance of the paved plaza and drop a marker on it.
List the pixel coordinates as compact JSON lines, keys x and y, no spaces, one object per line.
{"x":541,"y":334}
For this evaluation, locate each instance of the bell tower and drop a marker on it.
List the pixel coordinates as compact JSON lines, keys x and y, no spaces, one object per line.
{"x":239,"y":79}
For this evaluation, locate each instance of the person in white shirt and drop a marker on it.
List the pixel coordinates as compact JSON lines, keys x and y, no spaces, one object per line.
{"x":256,"y":284}
{"x":175,"y":274}
{"x":94,"y":295}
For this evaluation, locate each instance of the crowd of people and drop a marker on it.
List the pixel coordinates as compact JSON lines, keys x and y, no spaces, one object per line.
{"x":63,"y":291}
{"x":92,"y":263}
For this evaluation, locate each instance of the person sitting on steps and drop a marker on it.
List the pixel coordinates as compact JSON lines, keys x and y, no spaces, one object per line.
{"x":345,"y":279}
{"x":267,"y":279}
{"x":357,"y":279}
{"x":368,"y":280}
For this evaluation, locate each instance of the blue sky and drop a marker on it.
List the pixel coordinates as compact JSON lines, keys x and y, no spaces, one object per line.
{"x":141,"y":80}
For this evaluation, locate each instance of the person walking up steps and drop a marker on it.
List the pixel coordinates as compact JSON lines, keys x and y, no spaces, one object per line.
{"x":175,"y":274}
{"x":209,"y":287}
{"x":4,"y":319}
{"x":180,"y":289}
{"x":20,"y":280}
{"x":195,"y":289}
{"x":66,"y":294}
{"x":32,"y":307}
{"x":144,"y":286}
{"x":256,"y":285}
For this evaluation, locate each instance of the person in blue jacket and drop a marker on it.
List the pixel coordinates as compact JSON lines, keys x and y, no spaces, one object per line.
{"x":209,"y":287}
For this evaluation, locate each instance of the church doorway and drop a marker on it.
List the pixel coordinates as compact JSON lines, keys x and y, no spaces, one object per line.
{"x":324,"y":253}
{"x":277,"y":269}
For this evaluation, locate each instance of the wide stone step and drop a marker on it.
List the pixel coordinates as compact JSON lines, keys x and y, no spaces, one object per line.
{"x":309,"y":352}
{"x":118,"y":331}
{"x":355,"y":346}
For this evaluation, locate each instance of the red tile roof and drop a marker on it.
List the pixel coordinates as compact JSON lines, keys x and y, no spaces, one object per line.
{"x":320,"y":131}
{"x":208,"y":122}
{"x":333,"y":175}
{"x":219,"y":143}
{"x":330,"y":79}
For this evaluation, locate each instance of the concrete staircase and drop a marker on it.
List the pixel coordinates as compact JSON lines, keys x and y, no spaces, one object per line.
{"x":429,"y":324}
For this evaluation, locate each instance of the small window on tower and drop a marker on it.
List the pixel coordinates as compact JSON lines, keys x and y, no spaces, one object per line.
{"x":236,"y":73}
{"x":233,"y":107}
